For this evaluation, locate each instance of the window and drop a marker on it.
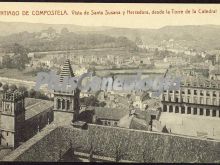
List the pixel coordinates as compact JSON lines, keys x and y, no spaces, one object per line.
{"x":177,"y":100}
{"x":195,"y":111}
{"x":176,"y":109}
{"x":171,"y":108}
{"x":207,"y":93}
{"x":195,"y":92}
{"x":201,"y":100}
{"x":208,"y":101}
{"x":58,"y":104}
{"x":214,"y":93}
{"x":201,"y":111}
{"x":181,"y":100}
{"x":6,"y":133}
{"x":189,"y":92}
{"x":201,"y":93}
{"x":7,"y":106}
{"x":207,"y":112}
{"x":63,"y":104}
{"x":182,"y":109}
{"x":183,"y":92}
{"x":165,"y":108}
{"x":214,"y":101}
{"x":67,"y":104}
{"x":214,"y":112}
{"x":195,"y":100}
{"x":189,"y":110}
{"x":177,"y":92}
{"x":169,"y":98}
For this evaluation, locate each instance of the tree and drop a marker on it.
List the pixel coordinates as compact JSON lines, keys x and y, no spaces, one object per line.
{"x":91,"y":101}
{"x":23,"y":89}
{"x":50,"y":31}
{"x":32,"y":93}
{"x":13,"y":87}
{"x":5,"y":87}
{"x":20,"y":57}
{"x":64,"y":31}
{"x":138,"y":41}
{"x":6,"y":61}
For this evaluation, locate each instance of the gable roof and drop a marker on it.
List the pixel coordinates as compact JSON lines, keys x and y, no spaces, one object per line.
{"x":132,"y":122}
{"x":110,"y":113}
{"x":37,"y":108}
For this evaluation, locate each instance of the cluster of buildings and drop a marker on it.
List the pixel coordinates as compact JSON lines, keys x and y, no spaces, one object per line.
{"x":196,"y":96}
{"x":21,"y":118}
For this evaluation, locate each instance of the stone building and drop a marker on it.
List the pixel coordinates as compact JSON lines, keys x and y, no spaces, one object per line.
{"x":197,"y":96}
{"x":12,"y":118}
{"x":66,"y":103}
{"x":21,"y":118}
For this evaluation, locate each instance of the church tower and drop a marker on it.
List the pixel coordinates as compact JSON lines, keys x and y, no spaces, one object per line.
{"x":12,"y":118}
{"x":66,"y":103}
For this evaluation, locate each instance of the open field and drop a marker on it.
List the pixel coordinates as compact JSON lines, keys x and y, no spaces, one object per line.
{"x":16,"y":74}
{"x":96,"y":52}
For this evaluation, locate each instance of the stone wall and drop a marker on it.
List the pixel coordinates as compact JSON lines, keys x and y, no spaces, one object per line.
{"x":138,"y":146}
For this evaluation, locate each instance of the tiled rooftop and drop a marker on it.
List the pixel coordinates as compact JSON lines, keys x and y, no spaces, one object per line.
{"x":36,"y":108}
{"x":109,"y":113}
{"x":200,"y":82}
{"x":153,"y":104}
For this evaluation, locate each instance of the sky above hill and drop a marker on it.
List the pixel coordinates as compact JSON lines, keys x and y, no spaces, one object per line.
{"x":119,"y":20}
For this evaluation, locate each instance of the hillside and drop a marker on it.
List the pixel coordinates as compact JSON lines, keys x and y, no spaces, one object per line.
{"x":7,"y":28}
{"x":51,"y":40}
{"x":201,"y":37}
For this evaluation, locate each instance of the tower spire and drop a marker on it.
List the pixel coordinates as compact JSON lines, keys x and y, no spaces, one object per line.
{"x":67,"y":70}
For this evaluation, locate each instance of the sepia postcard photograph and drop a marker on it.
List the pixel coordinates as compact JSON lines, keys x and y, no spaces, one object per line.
{"x":120,"y":83}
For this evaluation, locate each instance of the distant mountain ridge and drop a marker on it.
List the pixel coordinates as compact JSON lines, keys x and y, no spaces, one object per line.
{"x":200,"y":37}
{"x":7,"y":28}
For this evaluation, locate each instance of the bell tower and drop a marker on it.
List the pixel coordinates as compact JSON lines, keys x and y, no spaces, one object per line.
{"x":66,"y":103}
{"x":12,"y":118}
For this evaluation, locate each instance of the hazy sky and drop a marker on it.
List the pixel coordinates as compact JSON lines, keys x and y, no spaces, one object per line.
{"x":131,"y":21}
